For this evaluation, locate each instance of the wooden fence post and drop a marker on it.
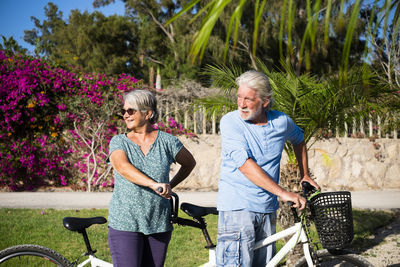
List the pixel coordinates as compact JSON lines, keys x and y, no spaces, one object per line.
{"x":379,"y":127}
{"x":204,"y":131}
{"x":386,"y":124}
{"x":337,"y":128}
{"x":186,"y":118}
{"x":160,"y":110}
{"x":195,"y":121}
{"x":176,"y":114}
{"x":371,"y":129}
{"x":214,"y":124}
{"x":362,"y":130}
{"x":167,"y":114}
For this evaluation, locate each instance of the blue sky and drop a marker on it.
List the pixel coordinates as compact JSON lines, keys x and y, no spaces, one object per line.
{"x":15,"y":15}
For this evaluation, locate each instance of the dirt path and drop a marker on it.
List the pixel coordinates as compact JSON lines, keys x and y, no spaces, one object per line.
{"x":387,"y":252}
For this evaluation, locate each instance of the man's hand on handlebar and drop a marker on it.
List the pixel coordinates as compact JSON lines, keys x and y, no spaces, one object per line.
{"x":309,"y":180}
{"x":296,"y":200}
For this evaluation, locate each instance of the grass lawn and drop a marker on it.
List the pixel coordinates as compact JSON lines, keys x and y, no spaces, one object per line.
{"x":44,"y":227}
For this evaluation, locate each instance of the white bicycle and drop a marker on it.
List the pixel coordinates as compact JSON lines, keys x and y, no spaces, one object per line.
{"x":331,"y":213}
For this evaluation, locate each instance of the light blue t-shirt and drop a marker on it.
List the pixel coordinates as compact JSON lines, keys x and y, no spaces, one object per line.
{"x":136,"y":208}
{"x":264,"y":144}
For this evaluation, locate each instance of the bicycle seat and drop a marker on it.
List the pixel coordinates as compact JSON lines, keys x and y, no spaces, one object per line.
{"x":197,"y":211}
{"x":79,"y":224}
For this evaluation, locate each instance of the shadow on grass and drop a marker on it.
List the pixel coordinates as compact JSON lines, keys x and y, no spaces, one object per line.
{"x":368,"y":224}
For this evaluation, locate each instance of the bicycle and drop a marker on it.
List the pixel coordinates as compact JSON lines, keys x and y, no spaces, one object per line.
{"x":334,"y":253}
{"x":330,"y":211}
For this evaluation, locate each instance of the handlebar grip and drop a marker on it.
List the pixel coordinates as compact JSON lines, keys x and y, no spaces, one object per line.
{"x":294,"y":211}
{"x":160,"y":189}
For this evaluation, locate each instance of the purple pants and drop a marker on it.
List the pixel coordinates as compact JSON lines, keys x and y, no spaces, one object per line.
{"x":137,"y":249}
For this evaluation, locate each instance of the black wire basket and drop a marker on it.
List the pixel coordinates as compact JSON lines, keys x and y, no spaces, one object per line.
{"x":333,"y":218}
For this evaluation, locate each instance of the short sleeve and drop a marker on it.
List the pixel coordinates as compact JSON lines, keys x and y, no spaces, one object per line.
{"x":294,"y":133}
{"x":176,"y":146}
{"x":115,"y":144}
{"x":234,"y":145}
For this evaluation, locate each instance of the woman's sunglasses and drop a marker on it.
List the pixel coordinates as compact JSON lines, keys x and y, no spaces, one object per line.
{"x":130,"y":111}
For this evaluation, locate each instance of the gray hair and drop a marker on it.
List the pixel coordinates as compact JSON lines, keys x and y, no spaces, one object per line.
{"x":259,"y":82}
{"x":143,"y":100}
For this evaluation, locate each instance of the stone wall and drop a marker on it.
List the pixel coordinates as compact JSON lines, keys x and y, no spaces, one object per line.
{"x":207,"y":152}
{"x":356,"y":164}
{"x":337,"y":164}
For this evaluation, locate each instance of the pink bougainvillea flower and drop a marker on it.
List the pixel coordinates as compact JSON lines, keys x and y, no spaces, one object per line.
{"x":62,"y":107}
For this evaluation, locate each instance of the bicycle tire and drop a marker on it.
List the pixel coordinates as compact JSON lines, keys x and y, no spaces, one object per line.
{"x":31,"y":255}
{"x":342,"y":258}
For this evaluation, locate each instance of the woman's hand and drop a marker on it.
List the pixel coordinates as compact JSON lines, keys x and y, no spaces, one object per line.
{"x":162,"y":189}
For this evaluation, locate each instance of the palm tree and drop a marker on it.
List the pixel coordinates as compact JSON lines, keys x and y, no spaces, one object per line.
{"x":311,"y":102}
{"x":318,"y":12}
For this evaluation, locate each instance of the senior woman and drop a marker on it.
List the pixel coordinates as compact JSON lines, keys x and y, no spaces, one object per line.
{"x":139,"y":215}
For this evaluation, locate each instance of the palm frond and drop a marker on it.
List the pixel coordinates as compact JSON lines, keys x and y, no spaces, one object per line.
{"x":216,"y":104}
{"x":235,"y":19}
{"x":184,"y":10}
{"x":327,"y":19}
{"x":223,"y":76}
{"x":203,"y":35}
{"x":281,"y":28}
{"x":258,"y":12}
{"x":396,"y":6}
{"x":349,"y":35}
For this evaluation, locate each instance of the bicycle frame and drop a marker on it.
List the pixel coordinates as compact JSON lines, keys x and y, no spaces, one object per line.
{"x":95,"y":262}
{"x":298,"y":235}
{"x":296,"y":231}
{"x":211,"y":259}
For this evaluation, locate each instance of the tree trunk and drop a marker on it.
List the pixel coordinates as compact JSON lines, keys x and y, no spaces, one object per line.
{"x":151,"y":78}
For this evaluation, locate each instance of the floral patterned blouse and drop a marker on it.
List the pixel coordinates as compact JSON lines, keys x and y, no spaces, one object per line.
{"x":136,"y":208}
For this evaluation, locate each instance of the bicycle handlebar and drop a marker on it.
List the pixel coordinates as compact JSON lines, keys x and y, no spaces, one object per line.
{"x":174,"y":201}
{"x":308,"y":189}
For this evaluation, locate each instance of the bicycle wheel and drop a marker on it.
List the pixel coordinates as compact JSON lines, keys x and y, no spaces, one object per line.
{"x":31,"y":255}
{"x":342,"y":258}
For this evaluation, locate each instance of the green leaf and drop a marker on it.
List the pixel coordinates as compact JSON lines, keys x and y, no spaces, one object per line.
{"x":184,"y":10}
{"x":203,"y":35}
{"x":258,"y":11}
{"x":235,"y":18}
{"x":327,"y":18}
{"x":349,"y":35}
{"x":281,"y":28}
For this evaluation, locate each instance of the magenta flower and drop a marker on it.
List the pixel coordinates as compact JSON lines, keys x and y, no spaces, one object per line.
{"x":40,"y":107}
{"x":62,"y":107}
